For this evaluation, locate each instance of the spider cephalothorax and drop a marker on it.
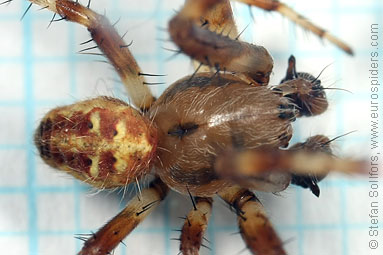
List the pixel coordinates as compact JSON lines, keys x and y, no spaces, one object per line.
{"x":217,"y":132}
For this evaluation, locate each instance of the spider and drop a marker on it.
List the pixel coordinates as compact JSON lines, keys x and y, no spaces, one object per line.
{"x":217,"y":132}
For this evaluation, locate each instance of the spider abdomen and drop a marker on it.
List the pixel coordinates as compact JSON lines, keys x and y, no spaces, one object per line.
{"x":102,"y":141}
{"x":201,"y":117}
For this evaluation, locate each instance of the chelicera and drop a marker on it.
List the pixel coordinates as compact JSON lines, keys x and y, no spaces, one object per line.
{"x":221,"y":131}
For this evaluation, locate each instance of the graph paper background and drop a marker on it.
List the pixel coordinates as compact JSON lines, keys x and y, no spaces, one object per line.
{"x":41,"y":210}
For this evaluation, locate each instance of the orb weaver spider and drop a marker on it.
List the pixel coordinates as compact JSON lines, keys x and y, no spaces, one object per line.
{"x":222,"y":73}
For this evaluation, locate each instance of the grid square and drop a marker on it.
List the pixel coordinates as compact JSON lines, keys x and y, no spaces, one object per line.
{"x":272,"y":39}
{"x":12,"y":9}
{"x":281,"y":208}
{"x":57,"y":244}
{"x":291,"y":241}
{"x":359,"y":4}
{"x":47,"y":176}
{"x":137,"y":6}
{"x":358,"y":117}
{"x":55,"y":212}
{"x":11,"y":46}
{"x":359,"y":216}
{"x":362,"y":41}
{"x":146,"y":243}
{"x":51,"y":81}
{"x":14,"y":216}
{"x":237,"y":246}
{"x":106,"y":205}
{"x":142,"y":31}
{"x":311,"y":43}
{"x":12,"y":116}
{"x":58,"y":32}
{"x":225,"y":218}
{"x":14,"y":245}
{"x":325,"y":208}
{"x":12,"y":89}
{"x":94,"y":79}
{"x":322,"y":241}
{"x":14,"y":168}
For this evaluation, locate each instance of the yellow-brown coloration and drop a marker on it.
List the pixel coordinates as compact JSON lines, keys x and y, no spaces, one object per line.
{"x":102,"y":141}
{"x":195,"y":226}
{"x":207,"y":47}
{"x":110,"y":43}
{"x":254,"y":226}
{"x":108,"y":237}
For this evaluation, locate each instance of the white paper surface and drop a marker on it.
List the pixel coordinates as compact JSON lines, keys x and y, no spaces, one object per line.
{"x":41,"y":210}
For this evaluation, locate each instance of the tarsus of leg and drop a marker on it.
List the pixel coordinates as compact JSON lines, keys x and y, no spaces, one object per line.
{"x":273,"y":5}
{"x":110,"y":43}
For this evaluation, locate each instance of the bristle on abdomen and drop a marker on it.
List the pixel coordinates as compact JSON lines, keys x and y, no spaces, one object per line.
{"x":102,"y":141}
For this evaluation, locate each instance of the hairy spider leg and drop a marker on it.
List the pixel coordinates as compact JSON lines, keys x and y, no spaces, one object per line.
{"x":217,"y":50}
{"x":275,"y":5}
{"x":109,"y":236}
{"x":245,"y":167}
{"x":195,"y":226}
{"x":218,"y":19}
{"x":110,"y":43}
{"x":254,"y":226}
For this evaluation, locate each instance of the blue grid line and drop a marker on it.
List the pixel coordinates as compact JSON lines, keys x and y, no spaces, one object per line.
{"x":29,"y":111}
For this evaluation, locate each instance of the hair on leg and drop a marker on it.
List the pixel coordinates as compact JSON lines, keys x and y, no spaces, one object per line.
{"x":215,"y":49}
{"x":275,"y":5}
{"x":254,"y":226}
{"x":110,"y":43}
{"x":109,"y":236}
{"x":195,"y":226}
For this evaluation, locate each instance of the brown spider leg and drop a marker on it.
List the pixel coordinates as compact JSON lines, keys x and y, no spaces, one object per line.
{"x":220,"y":20}
{"x":109,"y":236}
{"x":275,"y":5}
{"x":216,"y":50}
{"x":245,"y":167}
{"x":254,"y":226}
{"x":110,"y":43}
{"x":195,"y":225}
